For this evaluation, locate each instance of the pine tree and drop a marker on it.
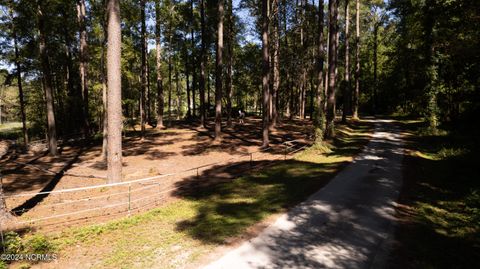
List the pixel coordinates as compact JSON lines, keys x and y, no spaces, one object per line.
{"x":114,"y":173}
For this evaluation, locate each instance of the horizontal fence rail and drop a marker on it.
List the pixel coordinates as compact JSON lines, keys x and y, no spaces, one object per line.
{"x":126,"y":195}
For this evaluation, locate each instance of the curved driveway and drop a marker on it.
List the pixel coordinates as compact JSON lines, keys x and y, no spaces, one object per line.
{"x":346,"y":224}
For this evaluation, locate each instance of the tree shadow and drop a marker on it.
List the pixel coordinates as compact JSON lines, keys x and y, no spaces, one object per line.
{"x":348,"y":219}
{"x":228,"y":205}
{"x":438,"y":206}
{"x":238,"y":137}
{"x":50,"y":185}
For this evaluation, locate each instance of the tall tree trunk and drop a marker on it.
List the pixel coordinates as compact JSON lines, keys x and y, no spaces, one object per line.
{"x":104,"y":92}
{"x":276,"y":63}
{"x":144,"y":67}
{"x":47,"y":82}
{"x":105,"y":114}
{"x":114,"y":173}
{"x":228,"y":80}
{"x":179,"y":95}
{"x":170,"y":66}
{"x":286,"y":55}
{"x":346,"y":86}
{"x":312,"y":91}
{"x":357,"y":60}
{"x":160,"y":101}
{"x":19,"y":80}
{"x":219,"y":71}
{"x":83,"y":57}
{"x":431,"y":73}
{"x":319,"y":115}
{"x":194,"y":64}
{"x":266,"y":72}
{"x":303,"y":44}
{"x":148,"y":96}
{"x":332,"y":64}
{"x":187,"y":76}
{"x":74,"y":107}
{"x":170,"y":89}
{"x":202,"y":64}
{"x":208,"y":92}
{"x":326,"y":67}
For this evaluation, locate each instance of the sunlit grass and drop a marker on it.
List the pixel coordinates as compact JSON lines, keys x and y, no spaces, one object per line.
{"x":11,"y":130}
{"x":187,"y":228}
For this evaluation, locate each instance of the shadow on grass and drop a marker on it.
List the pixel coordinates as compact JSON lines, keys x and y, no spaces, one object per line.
{"x":440,"y":202}
{"x":228,"y":205}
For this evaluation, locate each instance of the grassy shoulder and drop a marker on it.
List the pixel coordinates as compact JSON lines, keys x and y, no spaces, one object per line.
{"x":439,"y":205}
{"x":202,"y":219}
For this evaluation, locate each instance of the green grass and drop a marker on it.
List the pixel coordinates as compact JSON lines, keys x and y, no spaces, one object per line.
{"x":207,"y":216}
{"x":11,"y":130}
{"x":440,"y":202}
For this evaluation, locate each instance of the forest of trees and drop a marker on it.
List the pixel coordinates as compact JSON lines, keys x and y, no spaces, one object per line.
{"x":89,"y":67}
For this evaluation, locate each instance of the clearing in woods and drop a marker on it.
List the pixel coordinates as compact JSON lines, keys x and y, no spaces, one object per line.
{"x":173,"y":150}
{"x":202,"y":213}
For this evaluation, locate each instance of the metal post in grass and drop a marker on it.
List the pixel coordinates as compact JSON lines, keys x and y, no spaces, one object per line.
{"x":198,"y":175}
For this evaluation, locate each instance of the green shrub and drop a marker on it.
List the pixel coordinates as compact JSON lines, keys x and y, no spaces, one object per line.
{"x":13,"y":243}
{"x":38,"y":244}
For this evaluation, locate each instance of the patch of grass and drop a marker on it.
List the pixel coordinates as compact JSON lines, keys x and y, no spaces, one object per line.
{"x":440,"y":202}
{"x":29,"y":244}
{"x":207,"y":216}
{"x":226,"y":210}
{"x":11,"y":130}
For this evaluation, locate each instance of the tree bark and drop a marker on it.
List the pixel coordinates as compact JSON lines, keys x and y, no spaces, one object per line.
{"x":194,"y":64}
{"x":266,"y":73}
{"x":276,"y":64}
{"x":68,"y":114}
{"x":304,"y":47}
{"x":144,"y":67}
{"x":170,"y":89}
{"x":228,"y":80}
{"x":19,"y":80}
{"x":47,"y":82}
{"x":332,"y":64}
{"x":160,"y":101}
{"x":83,"y":58}
{"x":202,"y":64}
{"x":319,"y":115}
{"x":104,"y":92}
{"x":179,"y":95}
{"x":346,"y":86}
{"x":114,"y":173}
{"x":219,"y":71}
{"x":187,"y":77}
{"x":357,"y":61}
